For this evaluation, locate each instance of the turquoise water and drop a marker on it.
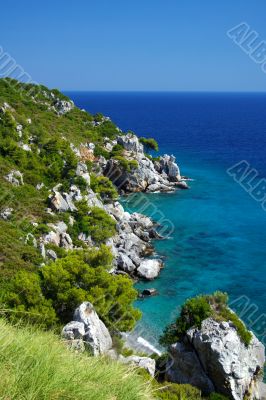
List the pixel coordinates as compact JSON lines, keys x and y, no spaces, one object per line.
{"x":216,"y":245}
{"x":219,"y":238}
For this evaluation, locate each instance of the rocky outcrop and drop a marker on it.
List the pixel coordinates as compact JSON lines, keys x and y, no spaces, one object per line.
{"x":146,"y":363}
{"x":88,"y":327}
{"x":132,"y":243}
{"x":82,"y":171}
{"x":168,"y":166}
{"x":147,"y":176}
{"x":58,"y":236}
{"x":130,"y":143}
{"x":62,"y":202}
{"x":214,"y":358}
{"x":15,"y":178}
{"x":62,"y":106}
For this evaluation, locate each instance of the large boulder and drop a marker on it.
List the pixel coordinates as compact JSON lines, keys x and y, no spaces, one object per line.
{"x":216,"y":355}
{"x":61,"y":202}
{"x":149,"y":269}
{"x":73,"y":330}
{"x":97,"y":336}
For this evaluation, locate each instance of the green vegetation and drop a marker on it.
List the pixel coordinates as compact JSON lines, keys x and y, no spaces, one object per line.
{"x":105,"y":188}
{"x":127,"y":165}
{"x":36,"y":365}
{"x":71,"y":280}
{"x":48,"y":295}
{"x":94,"y":222}
{"x":149,"y":143}
{"x":177,"y":392}
{"x":196,"y":310}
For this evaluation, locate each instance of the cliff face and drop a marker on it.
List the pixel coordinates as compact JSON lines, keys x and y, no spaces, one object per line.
{"x":214,"y":358}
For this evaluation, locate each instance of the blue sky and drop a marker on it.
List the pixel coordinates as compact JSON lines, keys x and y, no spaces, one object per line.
{"x":178,"y":45}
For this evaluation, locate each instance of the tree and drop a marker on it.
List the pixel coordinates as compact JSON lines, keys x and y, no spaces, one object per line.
{"x":149,"y":143}
{"x":70,"y":281}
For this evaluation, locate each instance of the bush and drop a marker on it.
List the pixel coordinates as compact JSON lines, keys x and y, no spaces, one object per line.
{"x":196,"y":310}
{"x":174,"y":391}
{"x":103,"y":186}
{"x":217,"y":396}
{"x":24,"y":300}
{"x":36,"y":365}
{"x":98,"y":224}
{"x":70,"y":281}
{"x":127,"y":165}
{"x":193,"y":312}
{"x":149,"y":144}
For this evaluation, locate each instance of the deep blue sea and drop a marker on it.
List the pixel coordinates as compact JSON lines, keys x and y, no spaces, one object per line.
{"x":219,"y":240}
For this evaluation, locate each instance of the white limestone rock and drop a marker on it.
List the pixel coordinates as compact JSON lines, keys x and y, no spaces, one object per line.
{"x":82,"y":171}
{"x":149,"y":269}
{"x":15,"y":178}
{"x":130,"y":142}
{"x":233,"y":368}
{"x":97,"y":336}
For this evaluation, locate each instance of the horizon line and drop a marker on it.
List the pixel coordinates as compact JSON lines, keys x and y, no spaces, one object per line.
{"x":166,"y":91}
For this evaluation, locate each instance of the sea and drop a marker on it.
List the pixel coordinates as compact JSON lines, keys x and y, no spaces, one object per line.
{"x":217,"y":239}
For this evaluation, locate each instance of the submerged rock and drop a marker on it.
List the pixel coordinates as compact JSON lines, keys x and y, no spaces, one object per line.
{"x":149,"y":292}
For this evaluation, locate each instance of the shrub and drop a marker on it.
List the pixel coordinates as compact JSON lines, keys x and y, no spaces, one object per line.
{"x":149,"y":144}
{"x":127,"y":165}
{"x":196,"y":310}
{"x":117,"y":150}
{"x":100,"y":151}
{"x":193,"y":312}
{"x":174,"y":391}
{"x":98,"y":224}
{"x":25,"y":299}
{"x":70,"y":281}
{"x":217,"y":396}
{"x":103,"y":186}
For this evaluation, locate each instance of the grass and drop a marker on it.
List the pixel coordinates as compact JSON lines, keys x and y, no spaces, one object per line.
{"x":36,"y":365}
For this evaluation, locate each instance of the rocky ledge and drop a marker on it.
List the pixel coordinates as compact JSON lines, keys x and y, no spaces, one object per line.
{"x":214,"y":358}
{"x":162,"y":175}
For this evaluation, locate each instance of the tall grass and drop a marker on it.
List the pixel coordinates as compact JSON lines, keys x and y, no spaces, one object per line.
{"x":37,"y":366}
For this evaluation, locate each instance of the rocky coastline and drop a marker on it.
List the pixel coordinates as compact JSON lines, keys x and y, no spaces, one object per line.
{"x":211,"y":356}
